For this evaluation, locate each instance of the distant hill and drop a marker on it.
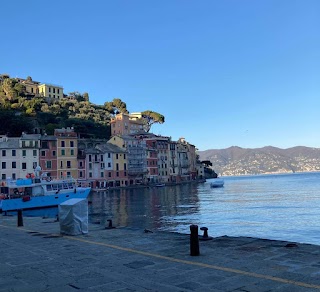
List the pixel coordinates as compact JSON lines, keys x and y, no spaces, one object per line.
{"x":242,"y":161}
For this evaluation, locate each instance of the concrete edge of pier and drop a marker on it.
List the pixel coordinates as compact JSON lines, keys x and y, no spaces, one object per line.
{"x":36,"y":257}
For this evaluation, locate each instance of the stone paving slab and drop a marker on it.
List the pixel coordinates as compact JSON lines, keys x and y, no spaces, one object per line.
{"x":36,"y":257}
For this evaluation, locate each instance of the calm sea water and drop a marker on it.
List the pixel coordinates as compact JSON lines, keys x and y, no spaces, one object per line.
{"x":283,"y":207}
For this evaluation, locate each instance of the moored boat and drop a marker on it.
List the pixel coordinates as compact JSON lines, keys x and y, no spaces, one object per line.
{"x":39,"y":192}
{"x":217,"y":183}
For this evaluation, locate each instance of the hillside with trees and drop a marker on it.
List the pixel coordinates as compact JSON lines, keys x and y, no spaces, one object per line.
{"x":21,"y":111}
{"x":244,"y":161}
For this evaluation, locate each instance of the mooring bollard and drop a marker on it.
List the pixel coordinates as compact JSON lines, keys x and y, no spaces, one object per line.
{"x":194,"y":240}
{"x":205,"y":234}
{"x":110,"y":225}
{"x":20,"y":218}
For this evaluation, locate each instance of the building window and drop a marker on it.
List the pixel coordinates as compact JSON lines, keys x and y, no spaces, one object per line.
{"x":24,"y":152}
{"x":49,"y":95}
{"x":101,"y":173}
{"x":68,"y":164}
{"x":80,"y":174}
{"x":34,"y":152}
{"x":49,"y":89}
{"x":71,"y":143}
{"x":109,"y":164}
{"x":125,"y":173}
{"x":58,"y":90}
{"x":48,"y":164}
{"x":43,"y":153}
{"x":14,"y":153}
{"x":61,"y":164}
{"x":4,"y":165}
{"x":90,"y":174}
{"x":14,"y":176}
{"x":90,"y":165}
{"x":117,"y":166}
{"x":109,"y":155}
{"x":125,"y":166}
{"x":71,"y":152}
{"x":4,"y":153}
{"x":34,"y":165}
{"x":24,"y":165}
{"x":90,"y":158}
{"x":101,"y":157}
{"x":117,"y":156}
{"x":117,"y":173}
{"x":54,"y":90}
{"x":109,"y":174}
{"x":14,"y":164}
{"x":62,"y":144}
{"x":124,"y":156}
{"x":3,"y":176}
{"x":53,"y":153}
{"x":63,"y":152}
{"x":80,"y":164}
{"x":102,"y":165}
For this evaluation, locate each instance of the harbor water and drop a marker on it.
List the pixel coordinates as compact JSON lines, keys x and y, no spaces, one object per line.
{"x":281,"y":207}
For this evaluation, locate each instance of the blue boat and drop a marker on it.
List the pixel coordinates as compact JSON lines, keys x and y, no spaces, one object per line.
{"x":39,"y":192}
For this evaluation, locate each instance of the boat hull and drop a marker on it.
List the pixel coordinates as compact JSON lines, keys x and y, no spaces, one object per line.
{"x":36,"y":202}
{"x":217,"y":183}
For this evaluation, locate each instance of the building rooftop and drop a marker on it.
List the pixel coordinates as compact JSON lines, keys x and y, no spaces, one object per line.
{"x":25,"y":136}
{"x":9,"y":143}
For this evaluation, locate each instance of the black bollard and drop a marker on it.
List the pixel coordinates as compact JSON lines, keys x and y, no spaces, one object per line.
{"x":205,"y":235}
{"x":110,"y":224}
{"x":194,"y":240}
{"x":20,"y":218}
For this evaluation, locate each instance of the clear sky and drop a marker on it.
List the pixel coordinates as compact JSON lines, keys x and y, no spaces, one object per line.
{"x":223,"y":73}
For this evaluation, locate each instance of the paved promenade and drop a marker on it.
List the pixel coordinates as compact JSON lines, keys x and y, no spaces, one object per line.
{"x":36,"y":258}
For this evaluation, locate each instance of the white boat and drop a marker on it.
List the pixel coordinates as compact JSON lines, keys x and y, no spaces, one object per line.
{"x":217,"y":183}
{"x":39,"y":192}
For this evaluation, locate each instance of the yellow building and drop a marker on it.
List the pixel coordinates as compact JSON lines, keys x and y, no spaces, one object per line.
{"x":50,"y":90}
{"x":67,"y":148}
{"x":31,"y":86}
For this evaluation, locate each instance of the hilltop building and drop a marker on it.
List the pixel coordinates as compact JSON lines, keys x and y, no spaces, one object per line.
{"x":40,"y":89}
{"x":126,"y":124}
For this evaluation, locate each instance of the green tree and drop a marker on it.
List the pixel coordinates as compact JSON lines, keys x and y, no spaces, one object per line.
{"x":151,"y":118}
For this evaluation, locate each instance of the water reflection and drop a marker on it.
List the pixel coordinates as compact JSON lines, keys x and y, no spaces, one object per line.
{"x":284,"y":207}
{"x":144,"y":208}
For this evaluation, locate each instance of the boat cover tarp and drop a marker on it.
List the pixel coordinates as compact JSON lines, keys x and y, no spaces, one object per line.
{"x":73,"y":217}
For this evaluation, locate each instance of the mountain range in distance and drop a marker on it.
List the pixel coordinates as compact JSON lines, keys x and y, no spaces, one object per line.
{"x":267,"y":160}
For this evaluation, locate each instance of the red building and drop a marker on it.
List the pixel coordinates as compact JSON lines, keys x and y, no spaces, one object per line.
{"x":48,"y":155}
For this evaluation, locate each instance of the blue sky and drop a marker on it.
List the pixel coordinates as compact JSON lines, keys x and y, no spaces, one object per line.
{"x":223,"y":73}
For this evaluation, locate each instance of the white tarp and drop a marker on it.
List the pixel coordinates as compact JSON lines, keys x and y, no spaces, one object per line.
{"x":73,"y":217}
